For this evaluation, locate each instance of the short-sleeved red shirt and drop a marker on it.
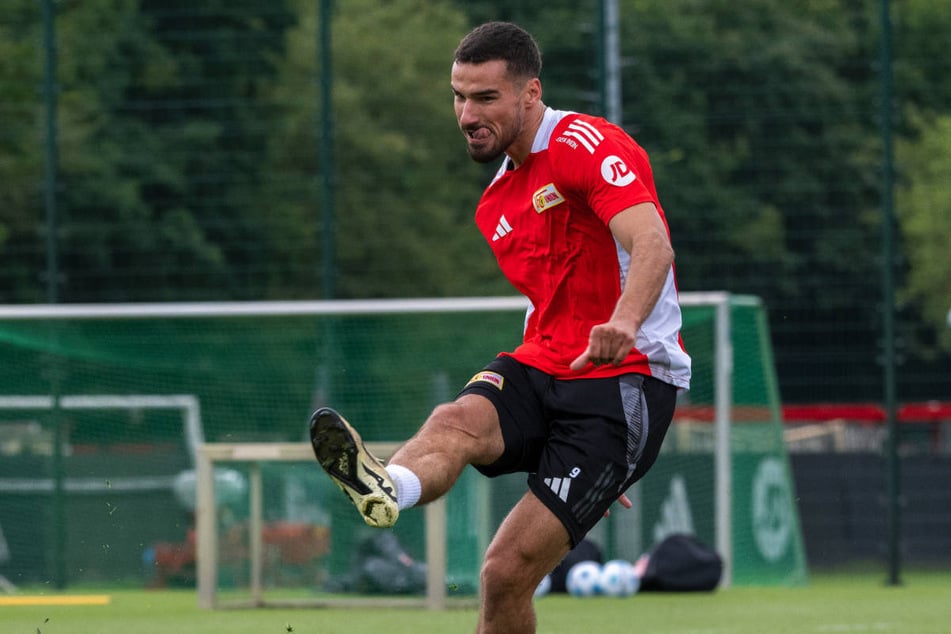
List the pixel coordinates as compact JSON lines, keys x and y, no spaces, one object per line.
{"x":547,"y":223}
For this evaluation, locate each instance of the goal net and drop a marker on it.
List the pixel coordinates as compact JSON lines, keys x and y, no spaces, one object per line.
{"x":106,"y":412}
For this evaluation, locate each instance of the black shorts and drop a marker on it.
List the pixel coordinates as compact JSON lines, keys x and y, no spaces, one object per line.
{"x":583,"y":442}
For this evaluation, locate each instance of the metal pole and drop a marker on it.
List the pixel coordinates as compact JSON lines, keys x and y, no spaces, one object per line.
{"x":893,"y":477}
{"x":326,"y":152}
{"x":723,"y":456}
{"x":611,"y":62}
{"x":58,"y":511}
{"x":323,"y":390}
{"x":255,"y":533}
{"x":50,"y":177}
{"x":609,"y":94}
{"x":206,"y":530}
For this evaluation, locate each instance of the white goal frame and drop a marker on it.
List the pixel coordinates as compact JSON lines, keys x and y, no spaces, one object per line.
{"x":187,"y":404}
{"x":206,"y":548}
{"x":208,"y":454}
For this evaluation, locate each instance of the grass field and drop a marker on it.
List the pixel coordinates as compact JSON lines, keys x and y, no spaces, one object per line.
{"x":830,"y":604}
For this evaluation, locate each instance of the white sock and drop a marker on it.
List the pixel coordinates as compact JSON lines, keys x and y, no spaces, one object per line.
{"x":408,"y":487}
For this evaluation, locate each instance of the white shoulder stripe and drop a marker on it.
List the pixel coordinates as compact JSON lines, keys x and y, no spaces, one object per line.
{"x":586,"y":134}
{"x":581,"y":138}
{"x":593,"y":130}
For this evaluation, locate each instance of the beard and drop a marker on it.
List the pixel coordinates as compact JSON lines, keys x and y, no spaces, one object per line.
{"x":484,"y":155}
{"x":492,"y":147}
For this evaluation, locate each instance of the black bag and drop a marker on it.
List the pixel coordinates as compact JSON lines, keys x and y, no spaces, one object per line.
{"x":680,"y":563}
{"x":381,"y":566}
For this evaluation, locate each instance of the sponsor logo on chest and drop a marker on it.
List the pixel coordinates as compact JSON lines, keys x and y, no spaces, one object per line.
{"x":546,"y":198}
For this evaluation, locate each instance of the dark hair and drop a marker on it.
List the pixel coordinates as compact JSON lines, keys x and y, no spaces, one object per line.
{"x":501,"y":41}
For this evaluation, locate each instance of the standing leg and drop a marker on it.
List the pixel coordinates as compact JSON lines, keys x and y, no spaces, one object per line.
{"x":528,"y":545}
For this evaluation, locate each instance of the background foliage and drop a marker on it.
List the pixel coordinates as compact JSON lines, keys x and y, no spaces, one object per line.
{"x":188,"y":157}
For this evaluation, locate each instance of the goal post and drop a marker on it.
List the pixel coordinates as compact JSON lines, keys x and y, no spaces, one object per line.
{"x":735,"y":392}
{"x":187,"y":404}
{"x":210,"y":455}
{"x":722,"y":399}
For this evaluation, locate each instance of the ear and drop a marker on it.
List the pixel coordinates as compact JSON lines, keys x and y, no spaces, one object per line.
{"x":533,"y":92}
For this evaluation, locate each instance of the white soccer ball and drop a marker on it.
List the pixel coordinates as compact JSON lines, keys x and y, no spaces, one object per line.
{"x":583,"y":579}
{"x":618,"y":579}
{"x":544,"y":587}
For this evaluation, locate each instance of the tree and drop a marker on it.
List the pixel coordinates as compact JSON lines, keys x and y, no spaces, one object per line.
{"x":173,"y":141}
{"x":923,"y":201}
{"x":114,"y":160}
{"x":922,"y":36}
{"x":157,"y":148}
{"x":764,"y":147}
{"x":21,"y":153}
{"x":406,"y":187}
{"x":924,"y":211}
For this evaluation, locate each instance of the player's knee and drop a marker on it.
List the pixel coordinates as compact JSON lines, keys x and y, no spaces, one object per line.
{"x":502,"y":577}
{"x":466,"y":429}
{"x":448,"y":415}
{"x":508,"y":572}
{"x":448,"y":421}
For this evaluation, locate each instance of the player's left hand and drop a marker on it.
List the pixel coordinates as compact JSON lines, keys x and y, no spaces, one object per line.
{"x":623,"y":501}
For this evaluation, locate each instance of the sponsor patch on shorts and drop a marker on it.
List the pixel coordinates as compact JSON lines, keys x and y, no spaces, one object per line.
{"x":487,"y":377}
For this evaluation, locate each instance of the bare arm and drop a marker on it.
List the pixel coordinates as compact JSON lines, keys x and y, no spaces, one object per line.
{"x":641,"y":232}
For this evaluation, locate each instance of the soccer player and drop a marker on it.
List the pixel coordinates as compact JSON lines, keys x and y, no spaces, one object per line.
{"x":583,"y":403}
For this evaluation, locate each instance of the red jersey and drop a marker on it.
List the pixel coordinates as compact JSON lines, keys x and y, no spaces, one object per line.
{"x":547,"y":223}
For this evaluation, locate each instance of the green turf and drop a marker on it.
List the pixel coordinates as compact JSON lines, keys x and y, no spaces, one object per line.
{"x":828,"y":605}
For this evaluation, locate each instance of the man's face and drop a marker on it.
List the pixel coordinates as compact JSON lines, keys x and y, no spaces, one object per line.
{"x":489,"y":108}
